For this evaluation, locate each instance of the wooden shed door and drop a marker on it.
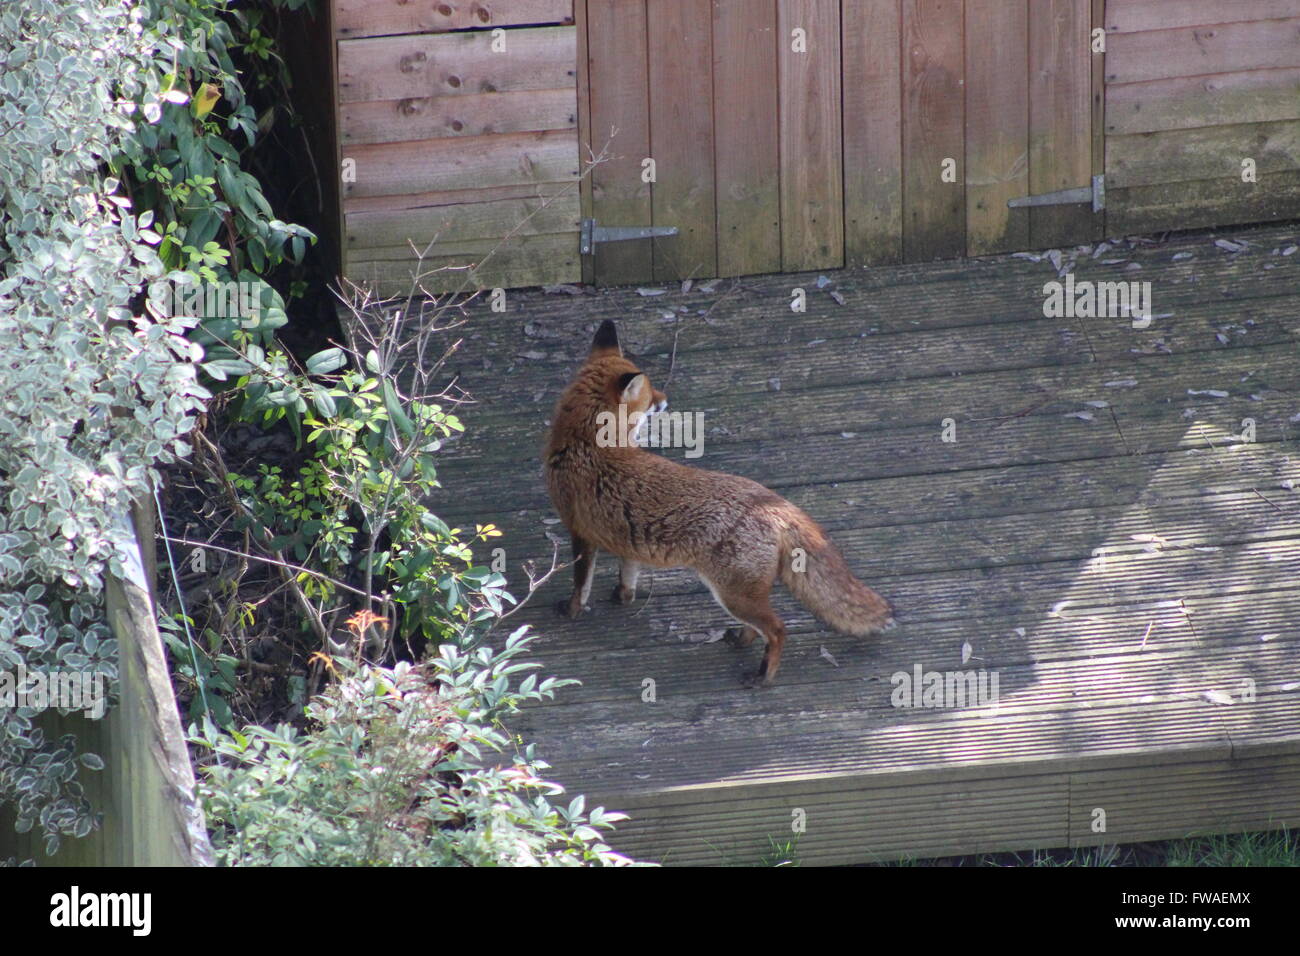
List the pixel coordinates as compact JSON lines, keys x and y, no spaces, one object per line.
{"x":742,"y":126}
{"x":463,"y":144}
{"x":791,"y":135}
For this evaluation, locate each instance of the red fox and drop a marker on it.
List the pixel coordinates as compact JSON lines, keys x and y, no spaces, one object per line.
{"x":738,"y":536}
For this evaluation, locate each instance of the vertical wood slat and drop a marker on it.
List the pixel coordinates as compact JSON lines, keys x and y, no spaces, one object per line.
{"x":1060,"y":117}
{"x":812,"y":176}
{"x":873,"y":146}
{"x":1097,"y":63}
{"x":618,"y":76}
{"x":934,"y":212}
{"x":997,"y":125}
{"x":679,"y":45}
{"x":585,"y":152}
{"x":747,"y":145}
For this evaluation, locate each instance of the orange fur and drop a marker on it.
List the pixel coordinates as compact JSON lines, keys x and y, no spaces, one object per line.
{"x":738,"y":536}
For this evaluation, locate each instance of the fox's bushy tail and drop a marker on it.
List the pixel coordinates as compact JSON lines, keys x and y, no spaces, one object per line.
{"x":817,"y":575}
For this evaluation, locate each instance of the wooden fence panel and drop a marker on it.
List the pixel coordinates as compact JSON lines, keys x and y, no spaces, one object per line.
{"x":1202,"y":113}
{"x":812,"y":172}
{"x":934,"y":211}
{"x":679,"y":42}
{"x":1060,"y":118}
{"x":746,"y":137}
{"x":360,"y":18}
{"x":873,"y":132}
{"x":620,"y":121}
{"x":997,"y":125}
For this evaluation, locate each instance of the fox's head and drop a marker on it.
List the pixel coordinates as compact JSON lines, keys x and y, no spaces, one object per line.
{"x":606,"y":381}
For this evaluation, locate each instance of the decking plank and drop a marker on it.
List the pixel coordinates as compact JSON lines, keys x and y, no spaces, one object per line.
{"x":1112,"y":674}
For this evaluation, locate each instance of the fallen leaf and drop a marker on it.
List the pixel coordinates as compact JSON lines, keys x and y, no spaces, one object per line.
{"x":830,"y":657}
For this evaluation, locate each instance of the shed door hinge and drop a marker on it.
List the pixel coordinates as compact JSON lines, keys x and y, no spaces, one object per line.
{"x":590,"y":234}
{"x":1095,"y":194}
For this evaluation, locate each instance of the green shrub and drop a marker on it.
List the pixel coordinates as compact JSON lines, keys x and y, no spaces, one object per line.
{"x":91,"y":396}
{"x":393,"y":772}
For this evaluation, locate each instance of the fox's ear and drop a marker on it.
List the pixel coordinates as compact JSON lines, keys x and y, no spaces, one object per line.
{"x":631,"y":386}
{"x":606,"y":339}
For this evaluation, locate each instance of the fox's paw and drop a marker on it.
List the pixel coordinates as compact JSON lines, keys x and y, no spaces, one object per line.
{"x":756,"y":681}
{"x":622,"y":595}
{"x":569,"y":608}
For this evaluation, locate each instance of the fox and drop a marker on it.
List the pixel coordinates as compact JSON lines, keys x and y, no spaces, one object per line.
{"x":649,"y":511}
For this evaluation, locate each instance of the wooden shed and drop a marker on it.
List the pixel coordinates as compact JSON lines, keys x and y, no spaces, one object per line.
{"x":788,"y":135}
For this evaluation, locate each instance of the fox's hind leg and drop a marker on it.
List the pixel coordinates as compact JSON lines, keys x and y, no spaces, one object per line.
{"x":584,"y":569}
{"x":625,"y":590}
{"x":742,"y":635}
{"x":750,"y":604}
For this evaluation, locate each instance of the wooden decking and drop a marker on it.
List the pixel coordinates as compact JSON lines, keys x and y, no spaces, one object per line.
{"x":1101,"y":534}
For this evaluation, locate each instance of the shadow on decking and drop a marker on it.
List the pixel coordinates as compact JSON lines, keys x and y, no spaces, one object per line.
{"x":1114,"y":532}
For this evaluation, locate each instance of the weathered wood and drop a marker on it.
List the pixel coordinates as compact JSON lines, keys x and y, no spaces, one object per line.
{"x":934,"y":211}
{"x":452,"y":224}
{"x":620,"y":122}
{"x":358,"y":18}
{"x":456,"y":64}
{"x":679,"y":44}
{"x":485,"y":162}
{"x":1097,"y":100}
{"x":402,"y":202}
{"x":1203,"y":203}
{"x":994,"y":540}
{"x":1060,"y":118}
{"x":873,"y":134}
{"x":1210,"y":152}
{"x":997,"y":125}
{"x":390,"y":121}
{"x":522,"y":261}
{"x":812,"y":171}
{"x":1190,"y":51}
{"x":747,"y":145}
{"x":586,"y":154}
{"x":1222,"y":99}
{"x":1133,"y":16}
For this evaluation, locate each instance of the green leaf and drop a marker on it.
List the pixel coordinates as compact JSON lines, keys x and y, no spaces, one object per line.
{"x":329,"y":360}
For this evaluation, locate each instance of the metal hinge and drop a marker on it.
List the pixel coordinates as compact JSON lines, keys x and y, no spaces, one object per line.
{"x":1095,"y":194}
{"x":590,"y":234}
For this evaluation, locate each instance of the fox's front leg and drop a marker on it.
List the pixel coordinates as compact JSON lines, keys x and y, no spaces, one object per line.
{"x":625,"y":590}
{"x":584,"y":569}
